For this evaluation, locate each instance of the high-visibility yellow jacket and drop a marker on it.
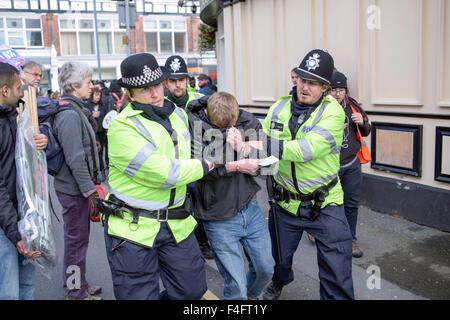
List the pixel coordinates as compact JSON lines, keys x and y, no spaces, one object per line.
{"x":192,"y":96}
{"x":313,"y":156}
{"x":145,"y":167}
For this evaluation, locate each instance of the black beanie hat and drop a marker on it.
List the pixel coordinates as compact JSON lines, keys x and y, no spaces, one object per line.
{"x":338,"y":80}
{"x":317,"y":65}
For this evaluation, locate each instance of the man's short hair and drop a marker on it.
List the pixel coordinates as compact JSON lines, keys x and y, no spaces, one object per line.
{"x":7,"y":72}
{"x":30,"y":64}
{"x":223,"y":109}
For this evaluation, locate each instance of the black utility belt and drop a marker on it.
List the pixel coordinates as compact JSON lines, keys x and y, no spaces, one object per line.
{"x":115,"y":207}
{"x":318,"y":195}
{"x":164,"y":214}
{"x":282,"y":194}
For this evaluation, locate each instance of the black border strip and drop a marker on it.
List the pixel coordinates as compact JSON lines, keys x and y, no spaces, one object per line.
{"x":438,"y":174}
{"x":416,"y":130}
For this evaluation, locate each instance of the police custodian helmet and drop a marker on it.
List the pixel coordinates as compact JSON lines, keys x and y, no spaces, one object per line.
{"x":317,"y":65}
{"x":176,"y":68}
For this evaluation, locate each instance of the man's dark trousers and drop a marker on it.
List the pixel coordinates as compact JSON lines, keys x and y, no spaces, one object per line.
{"x":334,"y":248}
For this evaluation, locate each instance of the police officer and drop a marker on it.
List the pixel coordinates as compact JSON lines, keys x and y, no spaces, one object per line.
{"x":151,"y":234}
{"x":177,"y":82}
{"x":305,"y":131}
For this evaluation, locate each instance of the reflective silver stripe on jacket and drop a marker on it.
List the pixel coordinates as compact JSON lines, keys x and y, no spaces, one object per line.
{"x":143,"y":154}
{"x":306,"y":150}
{"x":305,"y":184}
{"x":180,"y":114}
{"x":174,"y":174}
{"x":139,"y":159}
{"x":143,"y":204}
{"x":329,"y":137}
{"x":186,"y":134}
{"x":276,"y":112}
{"x":141,"y":129}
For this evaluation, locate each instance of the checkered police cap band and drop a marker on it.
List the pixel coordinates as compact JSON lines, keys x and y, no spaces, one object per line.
{"x":147,"y":77}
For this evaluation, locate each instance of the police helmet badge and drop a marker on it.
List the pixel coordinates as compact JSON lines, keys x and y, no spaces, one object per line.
{"x":313,"y":62}
{"x":175,"y":65}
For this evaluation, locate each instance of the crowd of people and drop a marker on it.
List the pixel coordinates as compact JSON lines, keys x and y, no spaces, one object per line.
{"x":180,"y":168}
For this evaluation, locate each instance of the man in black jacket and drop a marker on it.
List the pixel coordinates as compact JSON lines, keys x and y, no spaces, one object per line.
{"x":16,"y":279}
{"x":225,"y":200}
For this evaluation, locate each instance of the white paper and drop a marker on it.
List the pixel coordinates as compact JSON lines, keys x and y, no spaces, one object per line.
{"x":268,"y":161}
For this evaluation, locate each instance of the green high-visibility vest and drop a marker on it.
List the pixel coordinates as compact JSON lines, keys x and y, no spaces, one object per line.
{"x":145,"y":167}
{"x":314,"y":151}
{"x":192,"y":96}
{"x":190,"y":89}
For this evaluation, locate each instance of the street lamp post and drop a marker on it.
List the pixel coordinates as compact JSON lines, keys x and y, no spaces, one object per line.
{"x":99,"y":68}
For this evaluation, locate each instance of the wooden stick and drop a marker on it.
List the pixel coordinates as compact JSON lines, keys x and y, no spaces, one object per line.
{"x":32,"y":107}
{"x":20,"y":111}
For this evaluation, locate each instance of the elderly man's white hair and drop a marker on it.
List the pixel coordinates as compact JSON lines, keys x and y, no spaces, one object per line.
{"x":72,"y":74}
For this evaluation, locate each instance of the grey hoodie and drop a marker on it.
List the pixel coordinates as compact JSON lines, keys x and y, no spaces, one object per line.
{"x":78,"y":174}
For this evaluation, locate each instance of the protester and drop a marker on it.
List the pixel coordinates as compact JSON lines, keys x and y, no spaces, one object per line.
{"x":206,"y":87}
{"x":116,"y":92}
{"x":75,"y":182}
{"x":149,"y":230}
{"x":353,"y":152}
{"x":32,"y":73}
{"x":108,"y":104}
{"x":56,"y":95}
{"x":225,"y":200}
{"x":16,"y":277}
{"x":305,"y":131}
{"x":93,"y":105}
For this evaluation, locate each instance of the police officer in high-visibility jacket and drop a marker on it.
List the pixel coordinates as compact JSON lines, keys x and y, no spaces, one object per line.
{"x":151,"y":236}
{"x":178,"y":81}
{"x":305,"y":132}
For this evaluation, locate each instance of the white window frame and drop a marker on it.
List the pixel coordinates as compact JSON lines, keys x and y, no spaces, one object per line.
{"x":172,"y":30}
{"x":113,"y":29}
{"x":23,"y":30}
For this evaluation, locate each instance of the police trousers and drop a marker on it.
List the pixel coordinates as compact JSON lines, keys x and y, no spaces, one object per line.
{"x":136,"y":270}
{"x":334,"y":248}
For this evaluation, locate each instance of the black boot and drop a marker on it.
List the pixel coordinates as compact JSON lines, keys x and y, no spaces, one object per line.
{"x":205,"y":248}
{"x":273,"y":291}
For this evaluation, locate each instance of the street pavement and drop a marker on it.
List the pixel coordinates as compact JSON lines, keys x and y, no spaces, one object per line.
{"x":412,"y":262}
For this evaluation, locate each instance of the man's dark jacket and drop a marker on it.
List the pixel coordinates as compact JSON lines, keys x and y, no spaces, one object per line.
{"x":220,"y":195}
{"x":8,"y":197}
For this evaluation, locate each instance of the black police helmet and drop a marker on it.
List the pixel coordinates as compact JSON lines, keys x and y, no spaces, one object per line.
{"x":176,"y":67}
{"x":317,"y":65}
